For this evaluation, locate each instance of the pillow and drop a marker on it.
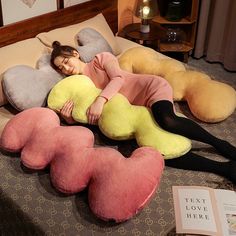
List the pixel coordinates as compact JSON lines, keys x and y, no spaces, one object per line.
{"x":118,"y":187}
{"x":67,"y":35}
{"x":208,"y":100}
{"x":25,"y":52}
{"x":91,"y":43}
{"x":26,"y":87}
{"x":119,"y":120}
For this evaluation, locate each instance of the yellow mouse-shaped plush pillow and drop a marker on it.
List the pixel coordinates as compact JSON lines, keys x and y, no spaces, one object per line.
{"x":209,"y":100}
{"x":119,"y":120}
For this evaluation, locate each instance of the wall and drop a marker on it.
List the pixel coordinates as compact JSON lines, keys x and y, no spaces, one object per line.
{"x":30,"y":8}
{"x":125,"y":13}
{"x":68,"y":3}
{"x":13,"y":11}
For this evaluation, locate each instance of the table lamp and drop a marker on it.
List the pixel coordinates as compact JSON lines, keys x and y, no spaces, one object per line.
{"x":146,"y":10}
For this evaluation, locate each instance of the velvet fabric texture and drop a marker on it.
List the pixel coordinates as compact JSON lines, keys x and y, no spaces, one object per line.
{"x":118,"y":187}
{"x":119,"y":120}
{"x":26,"y":87}
{"x":209,"y":100}
{"x":91,"y":42}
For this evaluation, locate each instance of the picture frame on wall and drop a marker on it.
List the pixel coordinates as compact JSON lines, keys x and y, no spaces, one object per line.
{"x":25,"y":9}
{"x":1,"y":22}
{"x":68,"y":3}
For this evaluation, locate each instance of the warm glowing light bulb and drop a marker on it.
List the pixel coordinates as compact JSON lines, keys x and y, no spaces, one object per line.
{"x":146,"y":11}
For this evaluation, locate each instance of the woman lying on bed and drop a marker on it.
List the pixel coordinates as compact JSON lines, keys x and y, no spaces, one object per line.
{"x":151,"y":91}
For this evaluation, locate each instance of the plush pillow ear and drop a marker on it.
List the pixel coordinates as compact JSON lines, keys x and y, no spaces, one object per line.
{"x":27,"y":87}
{"x":91,"y":42}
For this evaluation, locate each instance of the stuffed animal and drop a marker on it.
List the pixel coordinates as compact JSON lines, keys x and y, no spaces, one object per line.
{"x":119,"y":120}
{"x":118,"y":187}
{"x":208,"y":100}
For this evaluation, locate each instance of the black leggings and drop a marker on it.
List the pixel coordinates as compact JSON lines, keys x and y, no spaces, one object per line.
{"x":163,"y":112}
{"x":192,"y":161}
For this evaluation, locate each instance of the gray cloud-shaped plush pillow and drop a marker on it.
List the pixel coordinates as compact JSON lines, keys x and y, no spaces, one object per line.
{"x":91,"y":42}
{"x":26,"y":87}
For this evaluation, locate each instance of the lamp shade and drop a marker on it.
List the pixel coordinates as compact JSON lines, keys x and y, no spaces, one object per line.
{"x":146,"y":9}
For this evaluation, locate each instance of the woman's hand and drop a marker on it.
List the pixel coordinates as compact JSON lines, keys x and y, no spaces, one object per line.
{"x":66,"y":112}
{"x":95,"y":110}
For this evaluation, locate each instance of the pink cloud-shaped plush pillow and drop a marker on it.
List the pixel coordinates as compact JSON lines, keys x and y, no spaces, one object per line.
{"x":118,"y":187}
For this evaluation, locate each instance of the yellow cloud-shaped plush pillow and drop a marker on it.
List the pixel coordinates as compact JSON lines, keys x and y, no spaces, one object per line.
{"x":119,"y":120}
{"x":209,"y":100}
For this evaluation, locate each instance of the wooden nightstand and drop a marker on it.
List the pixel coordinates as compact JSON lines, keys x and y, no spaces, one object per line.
{"x":158,"y":36}
{"x":187,"y":24}
{"x":151,"y":39}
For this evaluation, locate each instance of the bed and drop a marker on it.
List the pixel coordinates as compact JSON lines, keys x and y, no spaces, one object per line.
{"x":29,"y":204}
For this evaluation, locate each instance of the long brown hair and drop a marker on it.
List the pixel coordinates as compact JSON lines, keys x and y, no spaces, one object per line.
{"x":60,"y":50}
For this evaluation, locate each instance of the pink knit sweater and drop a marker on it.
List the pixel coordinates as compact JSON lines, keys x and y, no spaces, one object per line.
{"x":139,"y":89}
